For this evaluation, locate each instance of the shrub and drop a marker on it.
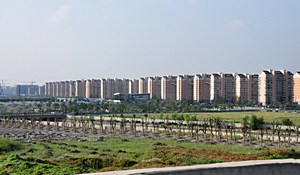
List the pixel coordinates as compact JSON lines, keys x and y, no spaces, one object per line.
{"x":7,"y":145}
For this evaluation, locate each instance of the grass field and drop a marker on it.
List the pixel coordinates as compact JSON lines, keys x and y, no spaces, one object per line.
{"x":269,"y":117}
{"x":71,"y":157}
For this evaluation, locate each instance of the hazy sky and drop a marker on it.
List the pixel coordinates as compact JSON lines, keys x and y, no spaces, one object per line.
{"x":49,"y":40}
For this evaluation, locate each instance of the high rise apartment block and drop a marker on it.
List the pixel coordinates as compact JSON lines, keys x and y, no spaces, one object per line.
{"x":133,"y":86}
{"x":241,"y":87}
{"x":125,"y":86}
{"x":72,"y":89}
{"x":42,"y":90}
{"x":275,"y":87}
{"x":228,"y":87}
{"x":47,"y":93}
{"x":143,"y":85}
{"x":80,"y":88}
{"x":297,"y":87}
{"x":67,"y":89}
{"x":118,"y":85}
{"x":269,"y":87}
{"x":184,"y":87}
{"x":107,"y":88}
{"x":265,"y":87}
{"x":62,"y":90}
{"x":215,"y":87}
{"x":252,"y":88}
{"x":201,"y":88}
{"x":168,"y":87}
{"x":288,"y":86}
{"x":154,"y":87}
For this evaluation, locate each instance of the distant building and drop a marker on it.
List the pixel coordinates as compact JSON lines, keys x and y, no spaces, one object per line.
{"x":228,"y":87}
{"x":62,"y":90}
{"x":67,"y":89}
{"x":72,"y":89}
{"x":133,"y":86}
{"x":88,"y":88}
{"x":51,"y":89}
{"x":168,"y":87}
{"x":137,"y":98}
{"x":107,"y":88}
{"x":118,"y":85}
{"x":27,"y":89}
{"x":215,"y":87}
{"x":143,"y":85}
{"x":275,"y":87}
{"x":252,"y":88}
{"x":265,"y":85}
{"x":47,"y":89}
{"x":80,"y":88}
{"x":95,"y":88}
{"x":184,"y":87}
{"x":201,"y":88}
{"x":297,"y":87}
{"x":154,"y":87}
{"x":125,"y":86}
{"x":241,"y":87}
{"x":288,"y":86}
{"x":42,"y":90}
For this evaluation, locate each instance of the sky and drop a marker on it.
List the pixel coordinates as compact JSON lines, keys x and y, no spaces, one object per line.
{"x":54,"y":40}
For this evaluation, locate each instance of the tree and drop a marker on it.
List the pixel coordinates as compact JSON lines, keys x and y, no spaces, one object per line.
{"x":245,"y":128}
{"x":256,"y":122}
{"x":218,"y":127}
{"x":288,"y":123}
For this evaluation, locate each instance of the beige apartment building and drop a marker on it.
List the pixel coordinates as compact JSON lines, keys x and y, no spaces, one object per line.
{"x":42,"y":90}
{"x":143,"y":85}
{"x":275,"y":87}
{"x":241,"y":87}
{"x":107,"y":88}
{"x":184,"y":87}
{"x":252,"y":88}
{"x":265,"y":85}
{"x":201,"y":88}
{"x":154,"y":87}
{"x":67,"y":88}
{"x":47,"y":89}
{"x":118,"y":85}
{"x":228,"y":87}
{"x":215,"y":87}
{"x":168,"y":87}
{"x":58,"y":89}
{"x":72,"y":89}
{"x":93,"y":88}
{"x":54,"y":89}
{"x":88,"y":88}
{"x":297,"y":87}
{"x":80,"y":88}
{"x":288,"y":86}
{"x":62,"y":89}
{"x":133,"y":86}
{"x":125,"y":86}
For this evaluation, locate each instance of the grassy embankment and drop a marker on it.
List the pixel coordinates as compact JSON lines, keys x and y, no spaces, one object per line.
{"x":71,"y":157}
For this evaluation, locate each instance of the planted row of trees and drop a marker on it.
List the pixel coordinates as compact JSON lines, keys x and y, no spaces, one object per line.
{"x":251,"y":129}
{"x":214,"y":129}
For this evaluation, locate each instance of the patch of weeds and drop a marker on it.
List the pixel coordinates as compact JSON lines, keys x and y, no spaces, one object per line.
{"x":193,"y":161}
{"x":7,"y":145}
{"x":276,"y":156}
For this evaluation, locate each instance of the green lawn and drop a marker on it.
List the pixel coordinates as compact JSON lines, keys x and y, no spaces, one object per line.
{"x":269,"y":117}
